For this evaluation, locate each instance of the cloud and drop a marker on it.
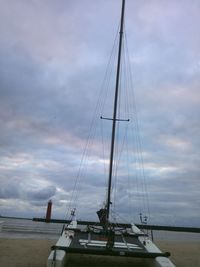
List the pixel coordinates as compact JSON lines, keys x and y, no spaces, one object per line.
{"x":53,"y":59}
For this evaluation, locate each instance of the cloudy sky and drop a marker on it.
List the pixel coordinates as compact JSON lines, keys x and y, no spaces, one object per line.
{"x":53,"y":57}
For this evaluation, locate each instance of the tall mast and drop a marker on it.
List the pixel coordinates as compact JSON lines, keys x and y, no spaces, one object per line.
{"x":115,"y":113}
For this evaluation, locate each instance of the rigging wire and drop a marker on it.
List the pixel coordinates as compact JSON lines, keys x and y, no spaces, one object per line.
{"x":119,"y":147}
{"x":98,"y":110}
{"x":130,"y":111}
{"x":138,"y":139}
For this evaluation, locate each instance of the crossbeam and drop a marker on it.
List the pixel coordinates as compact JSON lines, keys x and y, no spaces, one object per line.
{"x":110,"y":252}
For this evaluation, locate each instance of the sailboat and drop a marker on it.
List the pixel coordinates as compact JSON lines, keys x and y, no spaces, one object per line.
{"x":107,"y":238}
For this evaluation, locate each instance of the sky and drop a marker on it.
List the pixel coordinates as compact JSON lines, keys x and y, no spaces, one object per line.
{"x":53,"y":57}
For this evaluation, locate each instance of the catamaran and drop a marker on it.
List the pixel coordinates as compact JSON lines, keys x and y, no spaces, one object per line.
{"x":108,"y":238}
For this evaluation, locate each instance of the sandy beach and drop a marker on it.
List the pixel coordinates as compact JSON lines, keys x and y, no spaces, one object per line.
{"x":34,"y":253}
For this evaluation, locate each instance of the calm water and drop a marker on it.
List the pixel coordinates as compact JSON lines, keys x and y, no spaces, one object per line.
{"x":17,"y":228}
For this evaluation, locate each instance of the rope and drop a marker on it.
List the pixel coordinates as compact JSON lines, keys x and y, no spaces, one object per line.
{"x":138,"y":139}
{"x":93,"y":127}
{"x":127,"y":109}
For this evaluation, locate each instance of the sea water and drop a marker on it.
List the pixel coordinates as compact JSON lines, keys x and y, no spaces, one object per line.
{"x":176,"y":236}
{"x":28,"y":229}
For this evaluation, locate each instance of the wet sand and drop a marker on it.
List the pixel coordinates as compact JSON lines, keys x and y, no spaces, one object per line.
{"x":34,"y":253}
{"x":183,"y":254}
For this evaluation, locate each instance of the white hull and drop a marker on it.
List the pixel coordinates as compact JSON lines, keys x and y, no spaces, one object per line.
{"x":159,"y":261}
{"x":58,"y":257}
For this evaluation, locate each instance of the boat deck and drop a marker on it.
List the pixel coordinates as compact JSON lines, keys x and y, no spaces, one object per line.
{"x":84,"y":240}
{"x":87,"y":242}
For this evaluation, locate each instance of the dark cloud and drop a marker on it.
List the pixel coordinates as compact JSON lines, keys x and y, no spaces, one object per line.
{"x":42,"y":194}
{"x":9,"y":191}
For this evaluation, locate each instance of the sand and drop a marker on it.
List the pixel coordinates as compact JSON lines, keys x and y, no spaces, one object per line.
{"x":24,"y":252}
{"x":34,"y":253}
{"x":182,"y":254}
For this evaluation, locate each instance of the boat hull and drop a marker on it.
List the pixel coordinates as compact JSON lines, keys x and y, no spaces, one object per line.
{"x":134,"y":247}
{"x":80,"y":260}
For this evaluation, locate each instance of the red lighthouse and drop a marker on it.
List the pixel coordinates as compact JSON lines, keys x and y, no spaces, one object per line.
{"x":48,"y":213}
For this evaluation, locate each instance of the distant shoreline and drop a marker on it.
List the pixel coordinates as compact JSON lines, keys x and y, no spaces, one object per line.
{"x":141,"y":226}
{"x":14,"y":217}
